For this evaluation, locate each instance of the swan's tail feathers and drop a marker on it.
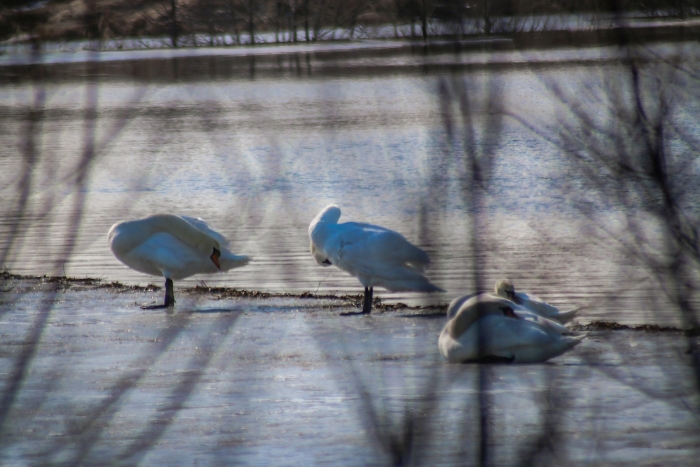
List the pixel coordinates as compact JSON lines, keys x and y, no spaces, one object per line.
{"x":565,"y":316}
{"x":425,"y":287}
{"x":414,"y":257}
{"x":433,"y":288}
{"x":567,"y":343}
{"x":230,"y":261}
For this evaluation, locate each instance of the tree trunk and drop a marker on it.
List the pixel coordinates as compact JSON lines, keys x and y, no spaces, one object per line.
{"x":173,"y":23}
{"x":424,"y":20}
{"x":293,"y":20}
{"x":306,"y":20}
{"x":251,"y":22}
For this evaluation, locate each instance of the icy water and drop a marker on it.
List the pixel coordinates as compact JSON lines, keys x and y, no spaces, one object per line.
{"x":283,"y":381}
{"x":258,"y":144}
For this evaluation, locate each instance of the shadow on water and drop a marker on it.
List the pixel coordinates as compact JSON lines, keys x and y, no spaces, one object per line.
{"x":216,"y":310}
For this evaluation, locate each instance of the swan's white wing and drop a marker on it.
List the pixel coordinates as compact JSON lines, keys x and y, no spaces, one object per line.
{"x":165,"y":255}
{"x":524,"y":340}
{"x":456,"y":304}
{"x":542,"y":308}
{"x":380,"y":245}
{"x":507,"y":333}
{"x":378,"y":257}
{"x":203,"y":227}
{"x":548,"y":323}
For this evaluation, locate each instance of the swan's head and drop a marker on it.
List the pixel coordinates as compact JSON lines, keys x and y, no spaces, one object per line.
{"x":319,"y":256}
{"x":215,"y":258}
{"x":504,"y":288}
{"x":329,"y":215}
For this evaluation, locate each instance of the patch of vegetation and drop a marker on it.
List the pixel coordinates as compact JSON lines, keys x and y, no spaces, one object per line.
{"x":307,"y":20}
{"x":613,"y":326}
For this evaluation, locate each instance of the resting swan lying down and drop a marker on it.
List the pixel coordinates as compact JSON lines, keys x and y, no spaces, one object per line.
{"x":505,"y":289}
{"x":486,"y":328}
{"x":175,"y":247}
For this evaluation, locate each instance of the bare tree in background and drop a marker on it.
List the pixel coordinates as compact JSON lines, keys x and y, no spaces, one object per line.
{"x":630,"y":143}
{"x":81,"y":421}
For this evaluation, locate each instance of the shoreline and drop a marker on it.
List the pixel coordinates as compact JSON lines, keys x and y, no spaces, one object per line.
{"x":347,"y":301}
{"x":59,"y":53}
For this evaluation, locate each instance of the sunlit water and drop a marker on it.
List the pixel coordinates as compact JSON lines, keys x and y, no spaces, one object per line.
{"x":258,"y":146}
{"x":287,"y":382}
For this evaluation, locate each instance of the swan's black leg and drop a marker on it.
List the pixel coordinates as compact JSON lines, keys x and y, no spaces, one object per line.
{"x":367,"y":305}
{"x":169,"y":299}
{"x":169,"y":293}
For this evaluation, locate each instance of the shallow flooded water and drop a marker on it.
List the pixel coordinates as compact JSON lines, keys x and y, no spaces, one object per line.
{"x":258,"y":145}
{"x":285,"y":381}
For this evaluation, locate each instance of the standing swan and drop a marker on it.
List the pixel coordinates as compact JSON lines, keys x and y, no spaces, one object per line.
{"x":375,"y":255}
{"x":505,"y":289}
{"x":175,"y":247}
{"x":485,"y":328}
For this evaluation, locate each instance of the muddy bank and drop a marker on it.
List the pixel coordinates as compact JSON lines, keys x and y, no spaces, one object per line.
{"x":22,"y":283}
{"x":17,"y":283}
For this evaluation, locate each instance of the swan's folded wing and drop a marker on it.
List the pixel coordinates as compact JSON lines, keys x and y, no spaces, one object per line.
{"x":164,"y":254}
{"x":504,"y":334}
{"x":202,"y":226}
{"x":384,"y":245}
{"x":549,"y":323}
{"x":378,"y":257}
{"x":536,"y":305}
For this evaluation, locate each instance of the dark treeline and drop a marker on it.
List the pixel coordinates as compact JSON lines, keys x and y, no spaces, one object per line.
{"x":289,"y":20}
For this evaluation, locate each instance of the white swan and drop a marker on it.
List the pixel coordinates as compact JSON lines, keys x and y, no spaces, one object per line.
{"x":376,"y":256}
{"x":174,"y":247}
{"x":485,"y":328}
{"x":519,"y":311}
{"x":505,"y":289}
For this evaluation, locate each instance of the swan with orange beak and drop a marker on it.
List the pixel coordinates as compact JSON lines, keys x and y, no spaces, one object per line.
{"x":174,"y":247}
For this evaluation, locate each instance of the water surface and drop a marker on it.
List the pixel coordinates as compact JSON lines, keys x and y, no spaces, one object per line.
{"x":257,"y":146}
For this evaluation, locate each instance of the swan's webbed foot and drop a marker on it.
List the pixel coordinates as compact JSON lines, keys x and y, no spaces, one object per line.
{"x":168,"y":300}
{"x":354,"y":313}
{"x":155,"y":306}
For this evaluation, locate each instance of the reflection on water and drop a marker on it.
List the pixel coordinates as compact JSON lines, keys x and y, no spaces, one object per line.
{"x":258,"y":154}
{"x":285,"y":382}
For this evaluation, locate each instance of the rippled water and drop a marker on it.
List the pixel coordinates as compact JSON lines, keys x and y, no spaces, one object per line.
{"x":287,"y":382}
{"x":258,"y":145}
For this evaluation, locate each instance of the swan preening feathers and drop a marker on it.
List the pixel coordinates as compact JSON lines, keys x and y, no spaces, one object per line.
{"x":376,"y":256}
{"x":499,"y":326}
{"x":175,"y":247}
{"x":488,"y":328}
{"x":505,"y":289}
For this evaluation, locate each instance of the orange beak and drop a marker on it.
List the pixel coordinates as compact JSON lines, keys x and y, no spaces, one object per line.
{"x":215,"y":258}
